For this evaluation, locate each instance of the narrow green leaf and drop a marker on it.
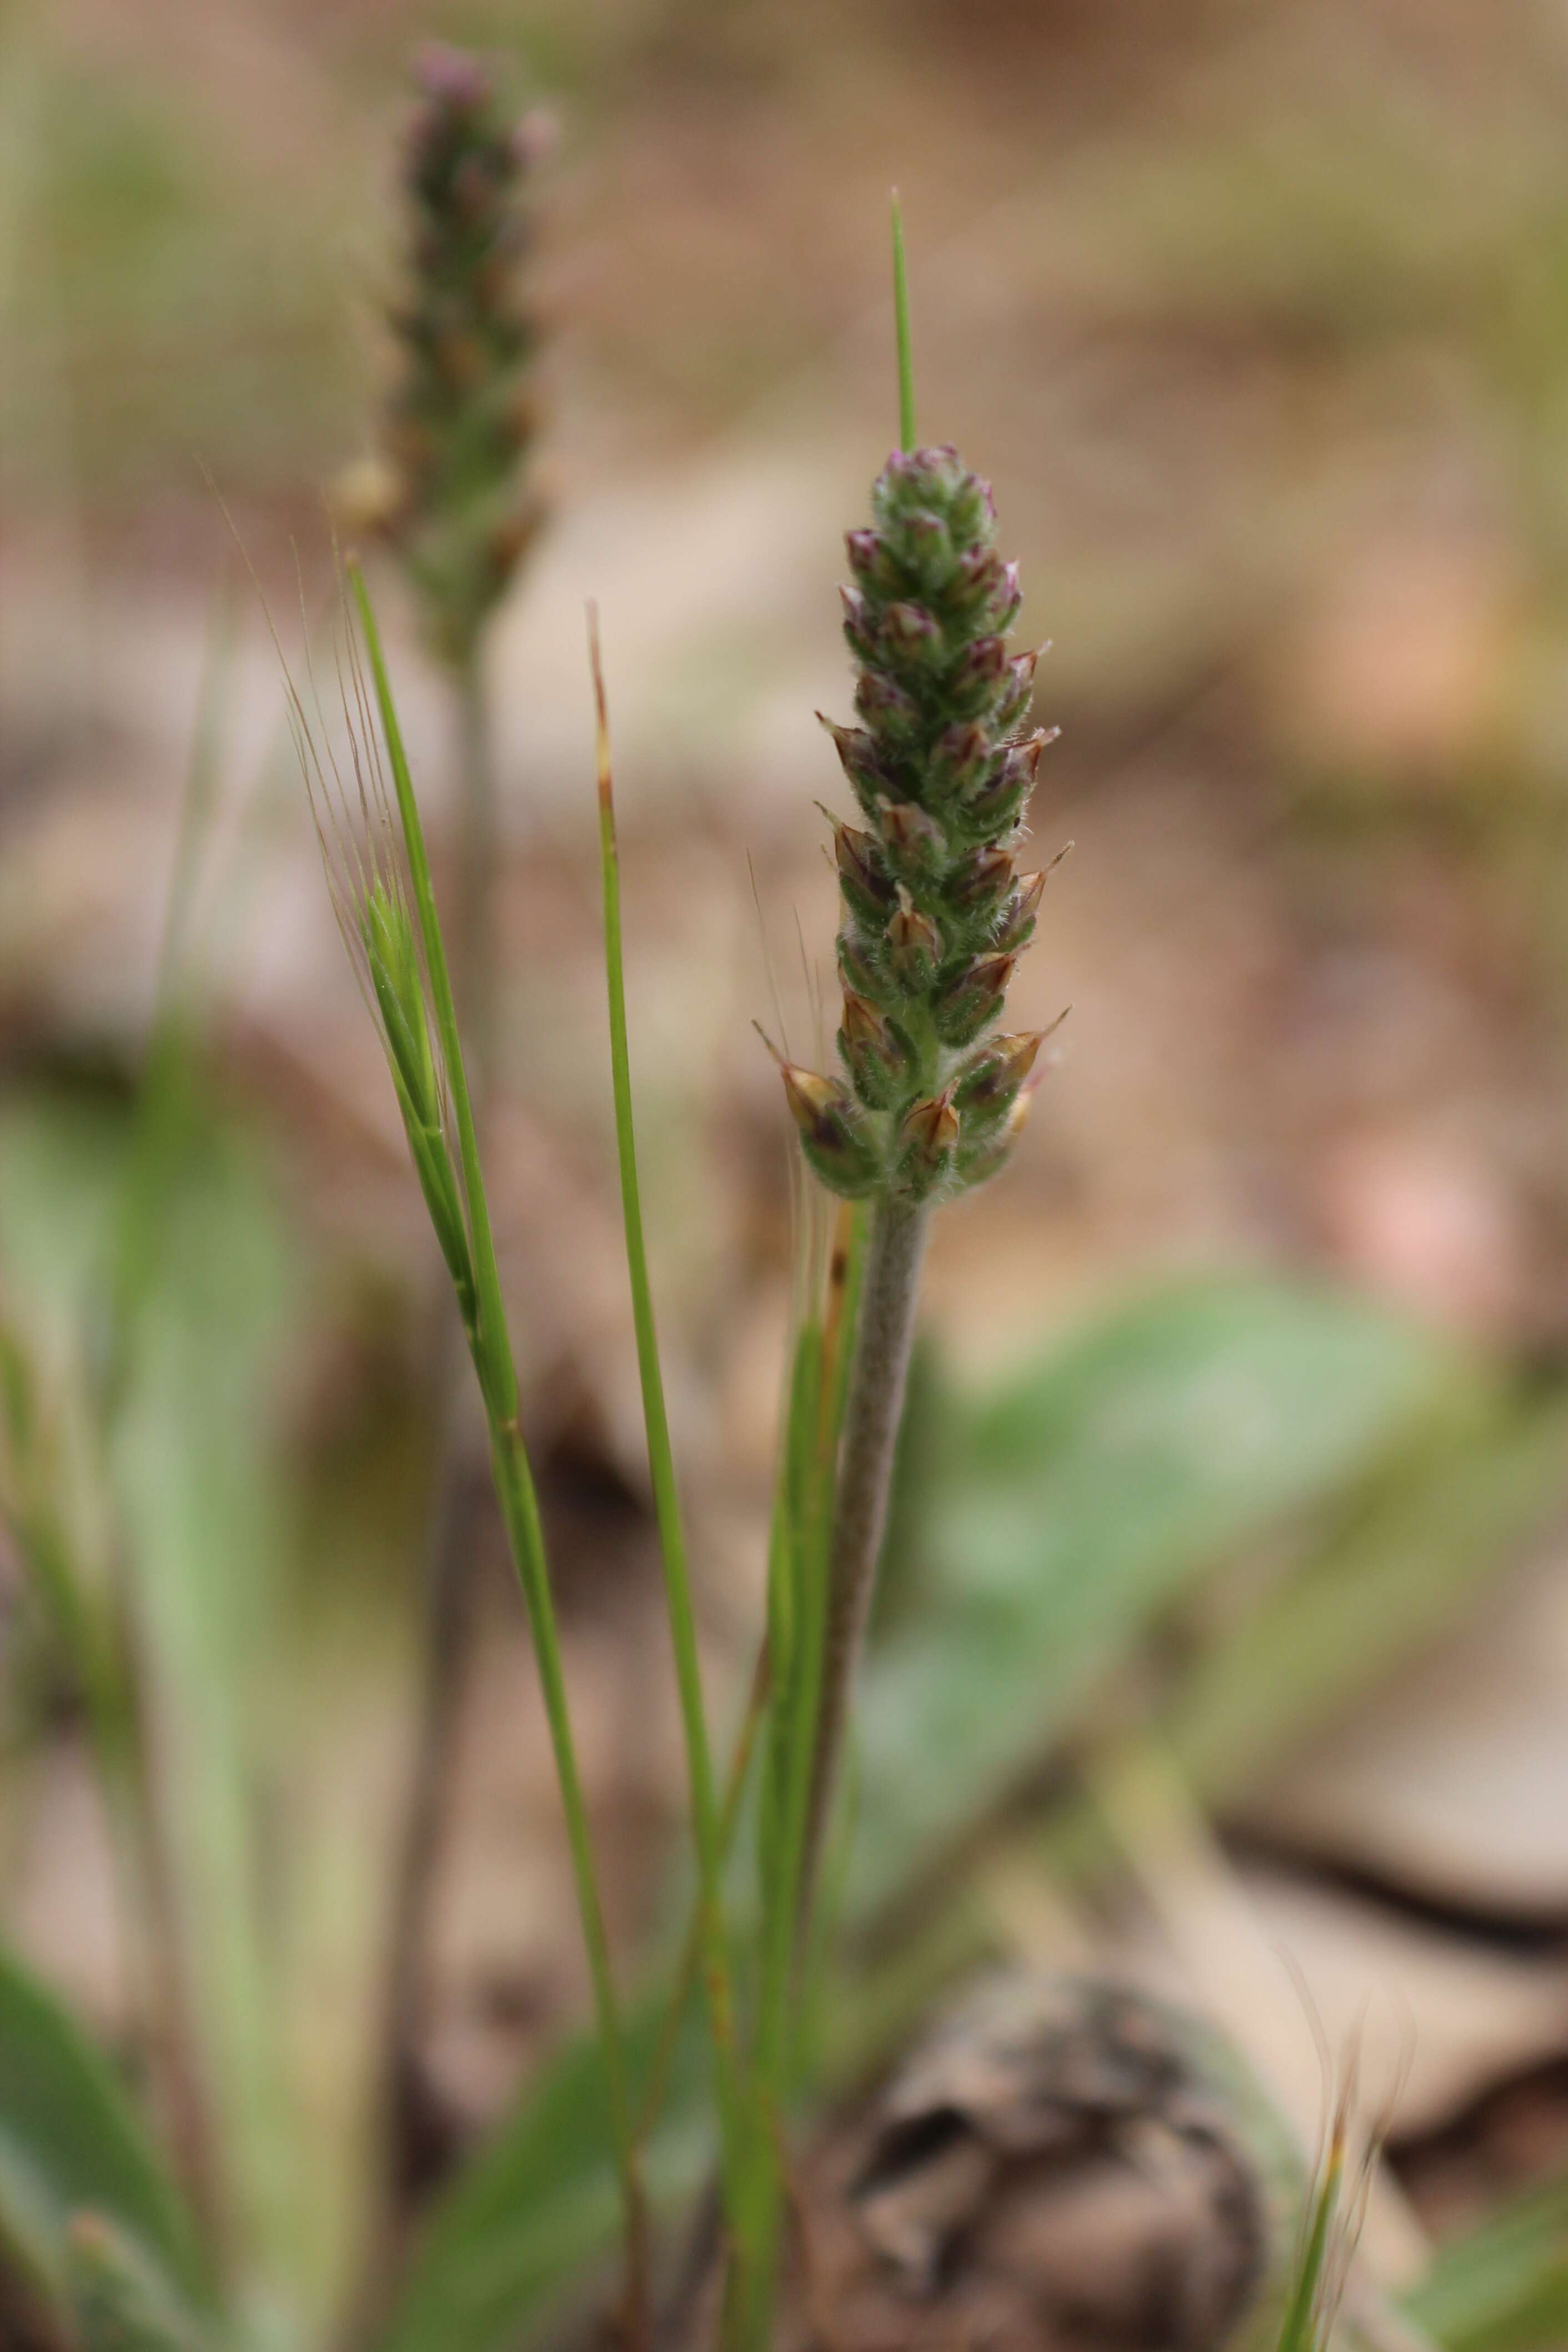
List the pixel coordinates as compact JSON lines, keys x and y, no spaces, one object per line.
{"x":797,"y":1617}
{"x":119,"y":2301}
{"x":1303,"y":2328}
{"x":707,"y":1834}
{"x":164,"y":1100}
{"x":490,"y":1347}
{"x":901,"y":332}
{"x":205,"y":1533}
{"x":1083,"y":1495}
{"x":795,"y":1626}
{"x":537,"y":2211}
{"x":1446,"y":1514}
{"x":41,"y":1483}
{"x":493,"y":1361}
{"x":70,"y":2143}
{"x":1503,"y":2287}
{"x":186,"y":1479}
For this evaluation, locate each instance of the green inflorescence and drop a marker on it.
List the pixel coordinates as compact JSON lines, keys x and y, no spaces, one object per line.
{"x":463,"y":416}
{"x":934,"y":910}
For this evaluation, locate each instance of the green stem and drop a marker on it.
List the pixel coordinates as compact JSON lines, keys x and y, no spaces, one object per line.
{"x":802,"y":1536}
{"x":707,"y":1829}
{"x":493,"y":1353}
{"x":449,"y":1552}
{"x":479,"y":853}
{"x":524,"y":1538}
{"x":658,"y":2076}
{"x":889,"y":1286}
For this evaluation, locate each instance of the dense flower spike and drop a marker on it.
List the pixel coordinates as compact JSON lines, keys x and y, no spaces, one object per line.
{"x":462,"y":418}
{"x":934,"y":910}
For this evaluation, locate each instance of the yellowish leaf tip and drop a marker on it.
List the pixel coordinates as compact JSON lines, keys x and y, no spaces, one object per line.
{"x":601,"y":712}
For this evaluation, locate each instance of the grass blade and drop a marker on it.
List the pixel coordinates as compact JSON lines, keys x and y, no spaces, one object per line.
{"x":493,"y":1362}
{"x":531,"y":2219}
{"x":1089,"y":1489}
{"x":706,"y":1823}
{"x":163,"y":1098}
{"x":901,"y":330}
{"x":71,"y":2144}
{"x":797,"y":1622}
{"x":1504,"y":2286}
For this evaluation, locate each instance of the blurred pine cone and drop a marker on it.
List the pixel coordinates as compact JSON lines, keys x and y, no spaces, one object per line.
{"x":1063,"y":2165}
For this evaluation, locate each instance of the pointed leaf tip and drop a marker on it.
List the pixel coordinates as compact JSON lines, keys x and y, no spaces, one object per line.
{"x":901,"y":332}
{"x":601,"y":712}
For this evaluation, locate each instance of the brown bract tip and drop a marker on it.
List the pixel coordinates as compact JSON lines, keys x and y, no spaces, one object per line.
{"x":863,"y":1023}
{"x":932,"y":1124}
{"x":811,"y":1099}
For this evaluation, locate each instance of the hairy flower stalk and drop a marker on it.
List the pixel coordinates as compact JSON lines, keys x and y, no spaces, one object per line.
{"x":933,"y":1091}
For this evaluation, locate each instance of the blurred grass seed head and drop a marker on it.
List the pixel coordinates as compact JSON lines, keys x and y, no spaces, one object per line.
{"x":451,"y":490}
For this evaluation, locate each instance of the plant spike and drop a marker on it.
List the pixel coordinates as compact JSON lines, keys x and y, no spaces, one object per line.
{"x":934,"y":915}
{"x":453,"y":493}
{"x":934,"y":911}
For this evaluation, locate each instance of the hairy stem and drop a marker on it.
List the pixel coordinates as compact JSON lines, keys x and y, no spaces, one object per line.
{"x":875,"y":1405}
